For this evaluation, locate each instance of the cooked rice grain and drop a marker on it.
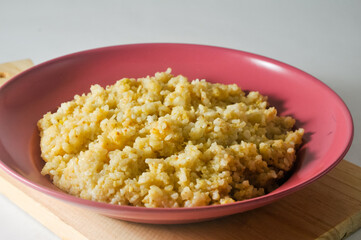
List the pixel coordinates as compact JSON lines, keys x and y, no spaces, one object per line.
{"x":163,"y":141}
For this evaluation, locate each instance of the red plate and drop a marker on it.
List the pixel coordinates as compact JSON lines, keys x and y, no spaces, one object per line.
{"x":25,"y":98}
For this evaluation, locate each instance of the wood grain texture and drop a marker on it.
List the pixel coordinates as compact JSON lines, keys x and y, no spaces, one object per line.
{"x":329,"y":208}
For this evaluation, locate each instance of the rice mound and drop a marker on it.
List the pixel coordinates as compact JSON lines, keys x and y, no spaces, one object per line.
{"x":163,"y":141}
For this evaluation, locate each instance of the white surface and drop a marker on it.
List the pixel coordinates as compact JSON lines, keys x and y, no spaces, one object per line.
{"x":322,"y":38}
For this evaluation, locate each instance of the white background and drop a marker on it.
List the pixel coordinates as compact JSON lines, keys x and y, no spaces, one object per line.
{"x":322,"y":38}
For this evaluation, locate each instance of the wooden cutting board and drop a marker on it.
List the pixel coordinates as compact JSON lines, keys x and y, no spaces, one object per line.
{"x":329,"y":208}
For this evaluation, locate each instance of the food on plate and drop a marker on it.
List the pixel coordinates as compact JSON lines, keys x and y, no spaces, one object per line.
{"x":163,"y":141}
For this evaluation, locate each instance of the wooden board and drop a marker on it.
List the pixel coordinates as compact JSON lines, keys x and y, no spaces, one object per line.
{"x":330,"y":208}
{"x":8,"y":70}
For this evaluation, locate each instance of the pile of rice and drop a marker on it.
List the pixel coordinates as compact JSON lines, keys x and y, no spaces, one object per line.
{"x":163,"y":141}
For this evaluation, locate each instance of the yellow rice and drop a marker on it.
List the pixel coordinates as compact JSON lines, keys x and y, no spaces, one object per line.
{"x":163,"y":141}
